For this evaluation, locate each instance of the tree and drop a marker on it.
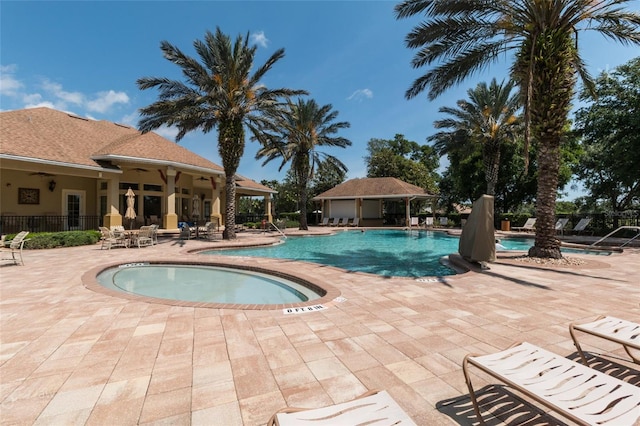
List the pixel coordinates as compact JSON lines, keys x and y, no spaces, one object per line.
{"x":294,"y":134}
{"x":403,"y":159}
{"x":462,"y":37}
{"x":610,"y":135}
{"x":325,"y":178}
{"x":488,"y":118}
{"x":218,"y":92}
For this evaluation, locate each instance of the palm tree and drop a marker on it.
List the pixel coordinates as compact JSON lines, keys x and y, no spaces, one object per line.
{"x":463,"y":36}
{"x":218,"y":92}
{"x":297,"y":132}
{"x":488,"y":118}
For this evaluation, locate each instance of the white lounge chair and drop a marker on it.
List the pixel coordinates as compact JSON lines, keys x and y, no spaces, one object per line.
{"x":428,"y":221}
{"x":355,"y":222}
{"x":528,"y":225}
{"x":14,"y":247}
{"x":579,"y":393}
{"x":325,"y":222}
{"x":444,"y":221}
{"x":345,"y":221}
{"x":414,"y":221}
{"x":376,"y":407}
{"x":335,"y":221}
{"x":581,"y":225}
{"x":560,"y":224}
{"x":626,"y":333}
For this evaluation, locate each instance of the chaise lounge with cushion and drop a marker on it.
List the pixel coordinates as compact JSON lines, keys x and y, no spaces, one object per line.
{"x":528,"y":225}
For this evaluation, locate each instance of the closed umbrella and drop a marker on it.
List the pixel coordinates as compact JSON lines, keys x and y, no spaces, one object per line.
{"x":131,"y":211}
{"x":195,"y":207}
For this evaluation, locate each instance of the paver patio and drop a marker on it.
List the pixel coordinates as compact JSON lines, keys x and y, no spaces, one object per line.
{"x":70,"y":355}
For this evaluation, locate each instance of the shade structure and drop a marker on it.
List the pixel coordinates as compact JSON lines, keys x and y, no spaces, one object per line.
{"x":131,"y":202}
{"x":478,"y":240}
{"x":195,"y":206}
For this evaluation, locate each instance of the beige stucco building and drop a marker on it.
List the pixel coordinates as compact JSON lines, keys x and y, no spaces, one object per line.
{"x":59,"y":171}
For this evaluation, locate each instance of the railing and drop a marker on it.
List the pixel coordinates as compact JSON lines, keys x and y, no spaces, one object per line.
{"x":11,"y":224}
{"x":273,"y":225}
{"x":635,"y":228}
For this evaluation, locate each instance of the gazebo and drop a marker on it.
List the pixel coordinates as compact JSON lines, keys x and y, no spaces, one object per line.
{"x":365,"y":199}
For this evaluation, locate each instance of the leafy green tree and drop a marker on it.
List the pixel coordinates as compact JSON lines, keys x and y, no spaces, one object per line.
{"x":325,"y":178}
{"x":403,"y":159}
{"x":286,"y":200}
{"x":462,"y":37}
{"x":488,"y":118}
{"x":219,"y":91}
{"x":610,"y":131}
{"x":294,"y":135}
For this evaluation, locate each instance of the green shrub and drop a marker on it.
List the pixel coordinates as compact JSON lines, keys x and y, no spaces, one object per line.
{"x":46,"y":240}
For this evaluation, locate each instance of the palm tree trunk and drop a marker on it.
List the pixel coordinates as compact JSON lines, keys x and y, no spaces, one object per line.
{"x":491,"y":158}
{"x":230,"y":148}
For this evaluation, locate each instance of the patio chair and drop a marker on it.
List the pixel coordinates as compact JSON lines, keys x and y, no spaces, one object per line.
{"x":335,"y":222}
{"x":560,"y":224}
{"x":414,"y":221}
{"x":14,"y":247}
{"x":428,"y":222}
{"x":355,"y":222}
{"x":144,"y":237}
{"x":210,"y":231}
{"x":581,"y":225}
{"x":325,"y":222}
{"x":626,"y":333}
{"x":345,"y":221}
{"x":113,"y":238}
{"x":374,"y":407}
{"x":444,"y":221}
{"x":154,"y":233}
{"x":579,"y":393}
{"x":528,"y":225}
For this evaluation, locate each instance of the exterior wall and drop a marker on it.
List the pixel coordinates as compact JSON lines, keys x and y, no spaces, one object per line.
{"x":343,"y":208}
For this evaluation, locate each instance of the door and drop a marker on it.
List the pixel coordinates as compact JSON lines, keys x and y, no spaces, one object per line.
{"x":74,"y":209}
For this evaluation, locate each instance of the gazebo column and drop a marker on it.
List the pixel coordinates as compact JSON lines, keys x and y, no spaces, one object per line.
{"x":170,"y":219}
{"x":113,"y":216}
{"x":407,"y":209}
{"x":267,"y":208}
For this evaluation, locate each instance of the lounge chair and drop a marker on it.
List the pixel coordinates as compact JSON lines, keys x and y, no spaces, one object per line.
{"x":144,"y":237}
{"x":14,"y":247}
{"x":113,"y":238}
{"x":444,"y":221}
{"x":414,"y":221}
{"x":428,"y":222}
{"x":528,"y":225}
{"x":335,"y":222}
{"x":581,"y":225}
{"x":560,"y":224}
{"x":579,"y":393}
{"x":375,"y":407}
{"x":626,"y":333}
{"x":345,"y":221}
{"x":355,"y":222}
{"x":325,"y":222}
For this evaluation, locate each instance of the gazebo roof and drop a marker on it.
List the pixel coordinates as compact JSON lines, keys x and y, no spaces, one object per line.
{"x":380,"y":187}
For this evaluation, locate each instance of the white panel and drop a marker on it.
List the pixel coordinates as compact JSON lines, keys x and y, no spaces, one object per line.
{"x":343,"y":208}
{"x":371,"y":209}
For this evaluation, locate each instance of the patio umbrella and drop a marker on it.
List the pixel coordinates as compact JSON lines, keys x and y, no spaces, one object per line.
{"x":195,"y":206}
{"x":131,"y":211}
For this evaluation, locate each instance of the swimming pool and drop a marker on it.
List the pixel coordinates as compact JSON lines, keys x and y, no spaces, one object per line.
{"x":204,"y":284}
{"x":399,"y":253}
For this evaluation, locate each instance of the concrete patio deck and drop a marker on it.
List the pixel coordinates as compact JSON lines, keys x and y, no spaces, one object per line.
{"x":71,"y":356}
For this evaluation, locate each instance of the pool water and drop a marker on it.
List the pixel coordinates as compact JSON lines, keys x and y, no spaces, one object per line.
{"x":201,"y":283}
{"x":399,"y":253}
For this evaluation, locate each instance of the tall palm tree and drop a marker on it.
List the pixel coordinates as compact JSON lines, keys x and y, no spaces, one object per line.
{"x":295,"y":135}
{"x":488,"y":118}
{"x":465,"y":36}
{"x":218,"y":92}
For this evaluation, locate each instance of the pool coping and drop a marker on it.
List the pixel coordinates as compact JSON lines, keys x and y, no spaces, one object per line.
{"x":89,"y":280}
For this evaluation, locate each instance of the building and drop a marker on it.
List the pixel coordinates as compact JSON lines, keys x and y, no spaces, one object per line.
{"x":59,"y":171}
{"x":375,"y":201}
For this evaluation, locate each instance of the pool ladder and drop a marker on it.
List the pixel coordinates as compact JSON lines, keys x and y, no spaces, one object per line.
{"x":637,"y":228}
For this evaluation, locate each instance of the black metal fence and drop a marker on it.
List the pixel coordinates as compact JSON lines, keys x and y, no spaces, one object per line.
{"x":48,"y":223}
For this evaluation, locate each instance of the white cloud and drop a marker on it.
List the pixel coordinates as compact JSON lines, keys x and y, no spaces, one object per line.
{"x":56,"y":90}
{"x":361,"y":94}
{"x":9,"y":85}
{"x":260,"y":39}
{"x":167,"y":132}
{"x":106,"y":100}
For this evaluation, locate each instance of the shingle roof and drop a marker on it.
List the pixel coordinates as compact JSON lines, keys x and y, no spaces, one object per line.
{"x":51,"y":135}
{"x":382,"y":187}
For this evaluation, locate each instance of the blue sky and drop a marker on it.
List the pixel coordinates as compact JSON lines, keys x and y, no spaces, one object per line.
{"x":85,"y":57}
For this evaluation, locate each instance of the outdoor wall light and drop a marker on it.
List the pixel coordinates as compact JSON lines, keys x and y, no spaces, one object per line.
{"x":52,"y":185}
